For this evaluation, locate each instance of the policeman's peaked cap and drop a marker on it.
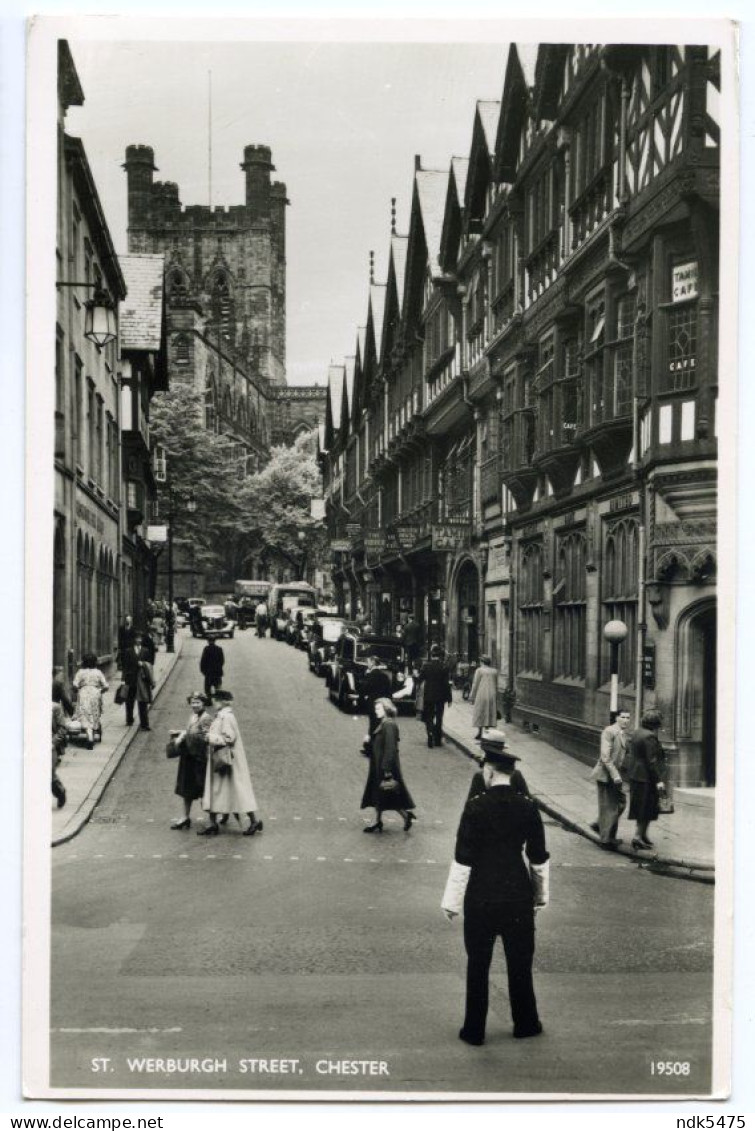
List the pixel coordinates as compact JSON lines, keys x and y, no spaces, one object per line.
{"x":496,"y":751}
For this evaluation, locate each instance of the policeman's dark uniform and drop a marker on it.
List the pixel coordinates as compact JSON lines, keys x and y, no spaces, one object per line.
{"x":437,"y":693}
{"x":496,"y":826}
{"x":375,"y":684}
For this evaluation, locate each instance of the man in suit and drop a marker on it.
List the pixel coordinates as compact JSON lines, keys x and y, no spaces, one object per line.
{"x":412,"y":640}
{"x":211,"y":665}
{"x":499,"y":890}
{"x":376,"y":684}
{"x":437,"y":693}
{"x":607,"y":775}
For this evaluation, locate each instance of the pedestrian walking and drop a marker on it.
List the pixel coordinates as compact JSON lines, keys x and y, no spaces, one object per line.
{"x":376,"y":684}
{"x":126,"y":640}
{"x":89,"y":684}
{"x":145,"y":683}
{"x":59,"y":739}
{"x":211,"y":666}
{"x":129,"y":663}
{"x":60,"y":691}
{"x":228,"y":784}
{"x":499,"y":891}
{"x":413,"y":640}
{"x":385,"y":788}
{"x":191,"y":746}
{"x":436,"y":695}
{"x":484,"y":696}
{"x":260,"y":617}
{"x":149,"y":646}
{"x":647,"y":772}
{"x":614,"y":743}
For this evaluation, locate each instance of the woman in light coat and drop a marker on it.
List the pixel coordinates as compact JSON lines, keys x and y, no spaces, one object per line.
{"x":89,"y":683}
{"x":145,"y":683}
{"x":484,"y":696}
{"x":228,"y":789}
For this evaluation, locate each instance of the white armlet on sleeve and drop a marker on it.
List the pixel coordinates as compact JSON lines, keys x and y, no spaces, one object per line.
{"x":456,"y":886}
{"x":540,"y":876}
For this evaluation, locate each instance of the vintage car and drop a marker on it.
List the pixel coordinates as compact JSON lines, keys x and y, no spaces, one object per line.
{"x":303,"y":622}
{"x":324,"y":633}
{"x":212,"y":623}
{"x":350,"y":667}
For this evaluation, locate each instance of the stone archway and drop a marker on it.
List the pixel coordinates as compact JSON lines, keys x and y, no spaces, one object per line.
{"x":695,"y":667}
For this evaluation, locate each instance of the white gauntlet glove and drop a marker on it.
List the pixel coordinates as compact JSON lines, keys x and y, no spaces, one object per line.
{"x":456,"y":885}
{"x":540,"y":877}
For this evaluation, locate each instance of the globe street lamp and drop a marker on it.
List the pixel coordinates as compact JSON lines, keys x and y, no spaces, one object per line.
{"x":615,"y":633}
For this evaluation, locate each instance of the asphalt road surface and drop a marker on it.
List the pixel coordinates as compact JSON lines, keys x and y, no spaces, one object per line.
{"x":314,"y":958}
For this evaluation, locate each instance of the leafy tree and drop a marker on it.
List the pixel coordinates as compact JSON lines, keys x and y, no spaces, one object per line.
{"x":199,"y":463}
{"x":275,"y":506}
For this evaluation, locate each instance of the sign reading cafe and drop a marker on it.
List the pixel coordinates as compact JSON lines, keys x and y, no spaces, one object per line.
{"x":684,"y":281}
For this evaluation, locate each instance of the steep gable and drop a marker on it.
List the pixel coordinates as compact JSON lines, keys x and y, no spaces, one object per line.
{"x":481,"y":161}
{"x":454,"y":213}
{"x":518,"y":82}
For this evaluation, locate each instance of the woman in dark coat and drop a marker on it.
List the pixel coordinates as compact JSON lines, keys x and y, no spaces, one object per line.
{"x":647,"y":776}
{"x":192,"y":757}
{"x":385,"y":766}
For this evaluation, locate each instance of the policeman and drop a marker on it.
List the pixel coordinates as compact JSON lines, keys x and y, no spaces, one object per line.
{"x":498,"y":890}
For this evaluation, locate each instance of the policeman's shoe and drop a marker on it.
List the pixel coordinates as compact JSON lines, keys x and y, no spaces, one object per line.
{"x":470,"y":1038}
{"x":59,"y":793}
{"x":430,"y":742}
{"x":522,"y":1034}
{"x":595,"y":827}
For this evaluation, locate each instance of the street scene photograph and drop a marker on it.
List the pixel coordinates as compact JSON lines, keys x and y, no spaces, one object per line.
{"x":373,"y":503}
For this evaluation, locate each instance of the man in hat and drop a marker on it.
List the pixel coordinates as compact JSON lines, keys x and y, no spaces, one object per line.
{"x":375,"y":684}
{"x":499,"y":890}
{"x":614,"y":743}
{"x":436,"y":690}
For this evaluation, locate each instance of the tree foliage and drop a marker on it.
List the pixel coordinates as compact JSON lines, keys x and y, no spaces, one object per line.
{"x":275,"y":504}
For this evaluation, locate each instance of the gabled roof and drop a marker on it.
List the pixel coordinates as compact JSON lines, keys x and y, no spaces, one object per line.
{"x":351,"y":365}
{"x":519,"y":79}
{"x":549,"y":75}
{"x":361,"y":331}
{"x":394,"y":293}
{"x":481,"y":159}
{"x":452,"y":217}
{"x":321,"y":437}
{"x":399,"y":248}
{"x":357,"y":400}
{"x":431,"y":186}
{"x":376,"y":311}
{"x":141,"y":313}
{"x":489,"y":113}
{"x":333,"y":403}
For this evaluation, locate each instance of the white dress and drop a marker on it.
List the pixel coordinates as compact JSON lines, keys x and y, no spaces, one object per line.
{"x":228,"y":793}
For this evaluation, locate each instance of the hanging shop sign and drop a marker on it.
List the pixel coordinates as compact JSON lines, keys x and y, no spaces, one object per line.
{"x":684,"y":281}
{"x":353,"y":530}
{"x":450,"y":535}
{"x":340,"y":545}
{"x":374,"y":545}
{"x":157,"y":534}
{"x":648,"y":666}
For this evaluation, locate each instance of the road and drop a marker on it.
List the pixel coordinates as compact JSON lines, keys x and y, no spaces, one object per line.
{"x":312,"y":944}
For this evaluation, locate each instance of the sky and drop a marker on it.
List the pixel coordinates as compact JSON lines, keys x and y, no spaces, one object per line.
{"x":344,"y":122}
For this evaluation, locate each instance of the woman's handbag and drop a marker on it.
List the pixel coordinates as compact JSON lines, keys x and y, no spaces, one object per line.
{"x":172,"y":750}
{"x":388,"y":785}
{"x":222,"y":759}
{"x":121,"y":693}
{"x":665,"y":802}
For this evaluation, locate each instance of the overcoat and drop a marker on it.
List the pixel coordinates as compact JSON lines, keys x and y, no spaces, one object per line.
{"x":484,"y":697}
{"x":192,"y":758}
{"x":230,"y":792}
{"x":145,"y":681}
{"x":385,"y":762}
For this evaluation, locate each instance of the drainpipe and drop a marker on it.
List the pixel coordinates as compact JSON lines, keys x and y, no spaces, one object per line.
{"x":637,"y":471}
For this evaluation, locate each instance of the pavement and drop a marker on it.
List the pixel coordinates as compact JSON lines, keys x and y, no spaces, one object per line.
{"x":683,"y":842}
{"x":560,"y":784}
{"x":87,"y":773}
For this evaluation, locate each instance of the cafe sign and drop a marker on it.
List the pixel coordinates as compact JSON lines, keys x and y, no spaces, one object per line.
{"x":374,"y":545}
{"x":684,"y":281}
{"x":449,"y":535}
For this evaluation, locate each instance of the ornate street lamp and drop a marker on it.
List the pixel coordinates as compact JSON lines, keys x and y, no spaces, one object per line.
{"x":615,"y":633}
{"x":100,"y":324}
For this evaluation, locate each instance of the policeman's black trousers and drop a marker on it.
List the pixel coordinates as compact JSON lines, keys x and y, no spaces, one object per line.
{"x":515,"y":924}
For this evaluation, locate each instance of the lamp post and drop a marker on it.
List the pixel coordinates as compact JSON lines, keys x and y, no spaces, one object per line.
{"x":302,"y":536}
{"x":170,"y":619}
{"x":100,"y":325}
{"x":615,"y":632}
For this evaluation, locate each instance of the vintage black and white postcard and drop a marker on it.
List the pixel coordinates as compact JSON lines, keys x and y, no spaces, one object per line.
{"x":381,"y":384}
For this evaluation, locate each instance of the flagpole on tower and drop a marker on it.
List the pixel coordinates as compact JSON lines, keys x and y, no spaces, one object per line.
{"x":209,"y":137}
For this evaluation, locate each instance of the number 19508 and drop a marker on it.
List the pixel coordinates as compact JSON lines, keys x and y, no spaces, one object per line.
{"x":669,"y":1068}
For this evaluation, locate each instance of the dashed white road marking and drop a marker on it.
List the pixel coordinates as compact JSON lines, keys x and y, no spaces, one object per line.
{"x":297,"y":818}
{"x":99,"y":856}
{"x":348,"y":860}
{"x":237,"y":856}
{"x":322,"y":858}
{"x":293,"y":857}
{"x":183,"y":856}
{"x":267,"y":857}
{"x":157,"y":855}
{"x":319,"y":818}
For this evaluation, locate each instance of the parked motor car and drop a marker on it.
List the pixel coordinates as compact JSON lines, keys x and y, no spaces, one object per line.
{"x":324,"y":634}
{"x":212,"y":623}
{"x":303,"y":621}
{"x":350,"y":667}
{"x":283,"y":598}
